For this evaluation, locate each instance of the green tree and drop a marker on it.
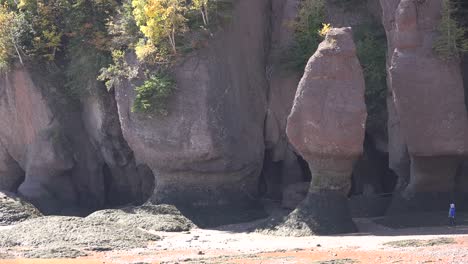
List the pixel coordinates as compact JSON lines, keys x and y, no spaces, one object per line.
{"x":152,"y":96}
{"x":452,"y":41}
{"x":86,"y":43}
{"x":307,"y":31}
{"x":123,"y":28}
{"x":371,"y":49}
{"x":47,"y":19}
{"x":118,"y":70}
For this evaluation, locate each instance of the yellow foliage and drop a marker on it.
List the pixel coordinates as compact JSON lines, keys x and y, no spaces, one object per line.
{"x":160,"y":19}
{"x":325,"y":28}
{"x":145,"y":51}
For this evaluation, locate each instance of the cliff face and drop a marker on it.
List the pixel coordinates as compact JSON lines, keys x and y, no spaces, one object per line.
{"x":224,"y":140}
{"x":48,"y":155}
{"x":210,"y":146}
{"x":428,"y":121}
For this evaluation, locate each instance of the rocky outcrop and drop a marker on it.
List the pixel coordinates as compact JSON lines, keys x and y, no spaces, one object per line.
{"x":48,"y":147}
{"x":33,"y":145}
{"x":326,"y":127}
{"x":11,"y":173}
{"x":210,"y":146}
{"x":326,"y":124}
{"x":14,"y":210}
{"x":429,"y":115}
{"x":282,"y":84}
{"x":398,"y":154}
{"x":124,"y":182}
{"x":282,"y":79}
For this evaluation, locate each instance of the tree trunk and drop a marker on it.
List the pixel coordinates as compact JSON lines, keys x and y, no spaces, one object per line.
{"x":206,"y":15}
{"x":203,"y":16}
{"x":17,"y":51}
{"x":171,"y":37}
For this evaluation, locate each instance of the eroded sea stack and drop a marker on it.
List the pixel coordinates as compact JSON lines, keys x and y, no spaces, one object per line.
{"x":428,"y":116}
{"x":326,"y":127}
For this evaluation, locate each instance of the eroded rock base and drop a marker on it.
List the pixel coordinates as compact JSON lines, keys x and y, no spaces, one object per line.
{"x":212,"y":204}
{"x":14,"y":210}
{"x":323,"y":213}
{"x":213,"y":216}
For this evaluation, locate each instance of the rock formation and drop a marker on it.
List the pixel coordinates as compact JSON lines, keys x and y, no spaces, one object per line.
{"x":283,"y":80}
{"x":14,"y":210}
{"x":125,"y":182}
{"x":227,"y":139}
{"x":32,"y":144}
{"x":46,"y":153}
{"x":208,"y":151}
{"x":428,"y":117}
{"x":326,"y":127}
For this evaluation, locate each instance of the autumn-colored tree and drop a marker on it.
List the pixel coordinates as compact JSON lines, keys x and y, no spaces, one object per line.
{"x":161,"y":19}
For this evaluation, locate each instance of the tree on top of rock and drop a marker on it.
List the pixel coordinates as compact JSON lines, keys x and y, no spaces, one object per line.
{"x":160,"y":19}
{"x":452,"y":41}
{"x":12,"y":26}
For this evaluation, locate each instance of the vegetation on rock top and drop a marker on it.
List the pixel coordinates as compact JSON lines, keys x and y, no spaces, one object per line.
{"x":83,"y":38}
{"x":453,"y":40}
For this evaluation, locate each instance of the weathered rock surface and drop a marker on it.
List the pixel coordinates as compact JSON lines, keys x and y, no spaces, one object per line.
{"x":371,"y":174}
{"x":12,"y":174}
{"x":64,"y":158}
{"x":282,"y":84}
{"x":148,"y":217}
{"x":428,"y":97}
{"x":113,"y":229}
{"x":327,"y":122}
{"x":210,"y":147}
{"x":399,"y":160}
{"x":293,"y":194}
{"x":51,"y":232}
{"x":282,"y":78}
{"x":326,"y":127}
{"x":32,"y":144}
{"x":309,"y":219}
{"x":50,"y":253}
{"x":125,"y":183}
{"x":14,"y":210}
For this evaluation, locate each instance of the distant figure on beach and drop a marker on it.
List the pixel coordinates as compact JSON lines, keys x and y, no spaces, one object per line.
{"x":451,"y":214}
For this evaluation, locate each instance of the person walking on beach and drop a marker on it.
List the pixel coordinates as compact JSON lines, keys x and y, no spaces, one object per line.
{"x":451,"y":214}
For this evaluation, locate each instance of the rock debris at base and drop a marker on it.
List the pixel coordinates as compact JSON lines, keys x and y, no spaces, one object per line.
{"x":148,"y":217}
{"x":113,"y":229}
{"x":14,"y":209}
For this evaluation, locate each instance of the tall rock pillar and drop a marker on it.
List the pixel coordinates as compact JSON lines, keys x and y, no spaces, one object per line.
{"x":428,"y":99}
{"x":326,"y":127}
